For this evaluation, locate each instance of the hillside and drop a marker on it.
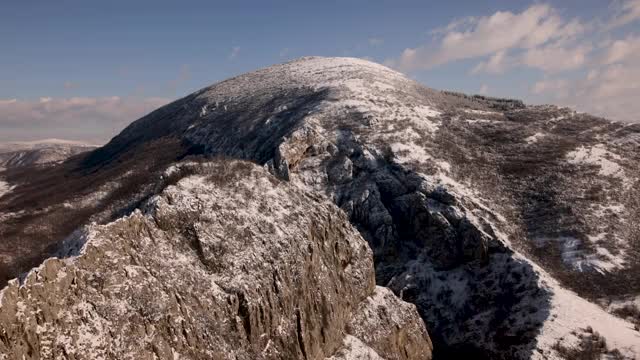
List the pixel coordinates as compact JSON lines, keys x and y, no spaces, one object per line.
{"x":508,"y":226}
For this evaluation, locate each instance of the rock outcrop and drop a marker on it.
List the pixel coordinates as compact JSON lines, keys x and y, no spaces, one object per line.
{"x":227,"y":263}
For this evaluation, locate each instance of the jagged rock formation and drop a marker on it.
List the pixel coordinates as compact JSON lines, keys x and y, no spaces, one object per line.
{"x":479,"y":211}
{"x":227,"y":264}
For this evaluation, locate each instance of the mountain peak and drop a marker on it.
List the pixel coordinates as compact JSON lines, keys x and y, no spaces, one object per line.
{"x":480,"y":211}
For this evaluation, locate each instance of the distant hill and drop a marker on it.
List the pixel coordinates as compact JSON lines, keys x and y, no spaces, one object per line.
{"x":13,"y":154}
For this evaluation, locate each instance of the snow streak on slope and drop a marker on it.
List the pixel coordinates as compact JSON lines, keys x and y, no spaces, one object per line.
{"x":570,"y":313}
{"x":4,"y":188}
{"x":534,"y":138}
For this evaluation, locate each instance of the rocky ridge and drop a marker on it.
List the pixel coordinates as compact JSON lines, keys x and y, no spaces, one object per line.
{"x":479,"y":211}
{"x":227,"y":264}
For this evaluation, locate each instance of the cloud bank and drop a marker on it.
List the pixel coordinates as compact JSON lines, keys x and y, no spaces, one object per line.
{"x":92,"y":119}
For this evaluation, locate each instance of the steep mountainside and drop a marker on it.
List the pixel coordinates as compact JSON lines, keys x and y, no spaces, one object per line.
{"x":508,"y":226}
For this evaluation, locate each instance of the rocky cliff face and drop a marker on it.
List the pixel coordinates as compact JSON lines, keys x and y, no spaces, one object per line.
{"x":227,"y":263}
{"x":481,"y":212}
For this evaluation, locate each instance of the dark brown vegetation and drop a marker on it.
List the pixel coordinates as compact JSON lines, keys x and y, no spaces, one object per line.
{"x":41,"y":220}
{"x":629,"y":312}
{"x":592,"y":346}
{"x":543,"y":195}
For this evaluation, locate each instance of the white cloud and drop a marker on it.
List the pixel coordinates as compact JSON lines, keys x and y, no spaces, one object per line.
{"x":235,"y":51}
{"x":556,"y":58}
{"x":6,"y":102}
{"x":497,"y":64}
{"x":557,"y":86}
{"x":85,"y":118}
{"x":549,"y":58}
{"x":612,"y":92}
{"x":482,"y":36}
{"x":610,"y":88}
{"x":625,"y":50}
{"x":584,"y":64}
{"x":484,"y":89}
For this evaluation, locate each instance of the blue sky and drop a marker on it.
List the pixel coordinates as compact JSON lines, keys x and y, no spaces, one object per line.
{"x":115,"y":60}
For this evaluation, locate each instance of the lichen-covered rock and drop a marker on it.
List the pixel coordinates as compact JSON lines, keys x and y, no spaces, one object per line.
{"x":229,"y":263}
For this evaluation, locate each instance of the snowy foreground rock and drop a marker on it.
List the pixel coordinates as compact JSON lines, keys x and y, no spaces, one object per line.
{"x":246,"y":268}
{"x":509,"y":228}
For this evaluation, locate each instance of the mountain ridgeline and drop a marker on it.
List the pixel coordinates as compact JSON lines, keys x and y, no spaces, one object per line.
{"x":330,"y":208}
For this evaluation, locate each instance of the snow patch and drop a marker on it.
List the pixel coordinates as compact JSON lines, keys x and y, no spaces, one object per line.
{"x":534,"y":138}
{"x":574,"y":255}
{"x":426,"y":111}
{"x":481,"y":112}
{"x":481,"y":121}
{"x":409,"y":152}
{"x":5,"y":188}
{"x":597,"y":155}
{"x":570,"y":312}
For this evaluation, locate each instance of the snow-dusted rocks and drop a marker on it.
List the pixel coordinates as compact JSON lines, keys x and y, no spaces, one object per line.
{"x":227,"y":263}
{"x":466,"y":202}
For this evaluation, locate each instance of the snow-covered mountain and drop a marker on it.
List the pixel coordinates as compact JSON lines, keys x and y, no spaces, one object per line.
{"x":510,"y":227}
{"x":41,"y":152}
